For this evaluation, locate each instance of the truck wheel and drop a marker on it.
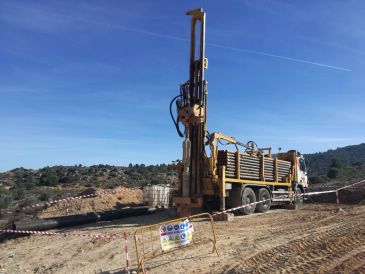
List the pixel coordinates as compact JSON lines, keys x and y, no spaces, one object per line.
{"x":263,"y":194}
{"x":247,"y":197}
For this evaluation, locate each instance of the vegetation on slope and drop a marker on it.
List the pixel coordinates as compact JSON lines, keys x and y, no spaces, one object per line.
{"x":26,"y":186}
{"x":341,"y":164}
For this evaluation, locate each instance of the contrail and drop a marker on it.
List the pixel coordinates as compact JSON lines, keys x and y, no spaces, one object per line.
{"x":166,"y":36}
{"x":278,"y":56}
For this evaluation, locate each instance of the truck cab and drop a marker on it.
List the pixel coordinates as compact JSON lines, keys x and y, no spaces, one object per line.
{"x":301,"y":172}
{"x":299,"y":168}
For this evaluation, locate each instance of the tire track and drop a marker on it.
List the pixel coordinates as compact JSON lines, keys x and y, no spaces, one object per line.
{"x":320,"y":248}
{"x":352,"y":262}
{"x":277,"y":236}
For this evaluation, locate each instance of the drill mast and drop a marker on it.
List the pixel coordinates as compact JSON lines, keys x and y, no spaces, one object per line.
{"x":192,"y":108}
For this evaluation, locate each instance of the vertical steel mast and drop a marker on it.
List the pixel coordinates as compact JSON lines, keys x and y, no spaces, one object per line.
{"x":192,"y":108}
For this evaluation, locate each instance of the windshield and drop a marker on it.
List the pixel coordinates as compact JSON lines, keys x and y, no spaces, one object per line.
{"x":302,"y":165}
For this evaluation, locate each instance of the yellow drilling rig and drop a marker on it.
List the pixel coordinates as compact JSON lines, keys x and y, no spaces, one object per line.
{"x":225,"y":178}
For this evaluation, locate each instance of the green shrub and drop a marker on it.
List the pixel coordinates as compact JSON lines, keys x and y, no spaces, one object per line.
{"x":332,"y":173}
{"x":317,"y":180}
{"x":5,"y":201}
{"x":44,"y":196}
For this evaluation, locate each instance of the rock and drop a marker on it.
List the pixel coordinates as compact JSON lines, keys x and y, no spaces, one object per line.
{"x":341,"y":211}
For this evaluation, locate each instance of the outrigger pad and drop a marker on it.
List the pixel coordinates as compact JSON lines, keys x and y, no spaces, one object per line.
{"x":224,"y":217}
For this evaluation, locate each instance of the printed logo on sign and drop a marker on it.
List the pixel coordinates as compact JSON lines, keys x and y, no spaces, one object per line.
{"x":175,"y":235}
{"x":188,"y":237}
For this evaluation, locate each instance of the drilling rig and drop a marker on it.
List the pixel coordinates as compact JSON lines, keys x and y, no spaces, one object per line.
{"x":225,"y":178}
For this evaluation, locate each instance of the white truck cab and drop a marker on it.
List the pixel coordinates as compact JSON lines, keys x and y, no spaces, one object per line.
{"x":301,"y":171}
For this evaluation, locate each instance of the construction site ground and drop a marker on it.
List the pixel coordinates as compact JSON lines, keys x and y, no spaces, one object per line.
{"x":317,"y":238}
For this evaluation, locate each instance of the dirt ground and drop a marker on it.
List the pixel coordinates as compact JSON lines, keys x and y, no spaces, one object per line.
{"x":318,"y":238}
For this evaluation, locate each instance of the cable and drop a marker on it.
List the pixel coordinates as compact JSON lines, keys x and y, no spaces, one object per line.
{"x":226,"y":144}
{"x":176,"y":122}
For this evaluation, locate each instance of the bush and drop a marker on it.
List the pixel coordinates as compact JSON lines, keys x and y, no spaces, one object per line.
{"x":49,"y":178}
{"x":336,"y":163}
{"x":5,"y":201}
{"x":317,"y":180}
{"x":113,"y":174}
{"x":18,"y":193}
{"x":44,"y":197}
{"x":332,"y":173}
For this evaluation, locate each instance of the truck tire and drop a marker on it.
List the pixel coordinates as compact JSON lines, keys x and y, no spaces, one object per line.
{"x":247,"y":197}
{"x":263,"y":194}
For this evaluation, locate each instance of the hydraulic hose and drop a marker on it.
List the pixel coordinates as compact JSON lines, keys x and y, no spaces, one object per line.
{"x":176,"y":122}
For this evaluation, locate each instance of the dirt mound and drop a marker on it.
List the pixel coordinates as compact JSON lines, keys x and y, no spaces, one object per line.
{"x":122,"y":197}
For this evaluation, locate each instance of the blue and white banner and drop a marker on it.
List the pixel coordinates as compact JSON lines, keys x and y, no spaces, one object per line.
{"x":175,"y":235}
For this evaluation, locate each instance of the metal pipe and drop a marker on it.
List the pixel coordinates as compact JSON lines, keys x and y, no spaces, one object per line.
{"x":73,"y":220}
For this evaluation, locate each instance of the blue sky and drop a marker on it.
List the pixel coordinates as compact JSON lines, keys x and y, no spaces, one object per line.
{"x":90,"y":81}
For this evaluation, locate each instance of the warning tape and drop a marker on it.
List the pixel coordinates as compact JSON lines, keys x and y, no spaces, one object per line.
{"x":239,"y":207}
{"x":67,"y":199}
{"x":126,"y":253}
{"x":66,"y":234}
{"x":334,"y":186}
{"x":318,"y":187}
{"x":316,"y":193}
{"x":354,"y":184}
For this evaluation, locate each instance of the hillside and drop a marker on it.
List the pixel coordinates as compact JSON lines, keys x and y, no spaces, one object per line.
{"x":348,"y":156}
{"x":25,"y":186}
{"x":338,"y":165}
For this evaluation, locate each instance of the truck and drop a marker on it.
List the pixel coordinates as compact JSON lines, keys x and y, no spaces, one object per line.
{"x":218,"y":171}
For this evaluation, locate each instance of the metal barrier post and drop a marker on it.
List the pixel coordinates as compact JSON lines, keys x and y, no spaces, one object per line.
{"x":146,"y":249}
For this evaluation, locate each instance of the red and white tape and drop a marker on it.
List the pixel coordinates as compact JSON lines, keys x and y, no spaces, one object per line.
{"x":354,"y":184}
{"x":240,"y":207}
{"x":334,"y":186}
{"x":127,"y":261}
{"x":65,"y":234}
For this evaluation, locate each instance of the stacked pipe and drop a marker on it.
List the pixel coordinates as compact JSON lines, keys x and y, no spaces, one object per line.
{"x":251,"y":166}
{"x":283,"y":169}
{"x":73,"y":220}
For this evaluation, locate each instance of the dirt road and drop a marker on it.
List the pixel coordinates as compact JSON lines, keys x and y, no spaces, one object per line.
{"x":315,"y":239}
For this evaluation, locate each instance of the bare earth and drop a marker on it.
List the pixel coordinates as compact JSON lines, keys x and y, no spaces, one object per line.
{"x":122,"y":197}
{"x":318,"y":238}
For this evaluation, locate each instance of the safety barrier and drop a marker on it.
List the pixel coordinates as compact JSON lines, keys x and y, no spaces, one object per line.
{"x":162,"y":238}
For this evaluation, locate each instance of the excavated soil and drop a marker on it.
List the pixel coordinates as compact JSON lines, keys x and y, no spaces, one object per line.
{"x":317,"y":238}
{"x":122,"y":197}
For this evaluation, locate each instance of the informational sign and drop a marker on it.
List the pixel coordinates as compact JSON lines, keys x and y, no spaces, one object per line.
{"x":175,"y":235}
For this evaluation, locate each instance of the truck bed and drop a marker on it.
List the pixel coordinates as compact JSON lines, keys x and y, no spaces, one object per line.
{"x":253,"y":167}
